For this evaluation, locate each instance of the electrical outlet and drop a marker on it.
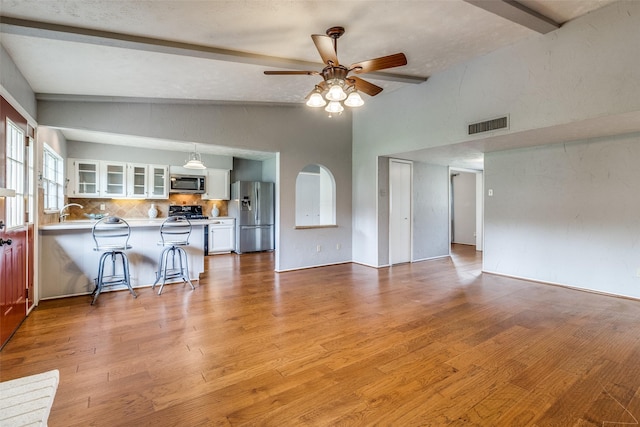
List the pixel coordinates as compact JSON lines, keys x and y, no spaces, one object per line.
{"x":338,"y":246}
{"x":490,"y":192}
{"x":318,"y":248}
{"x":102,"y":206}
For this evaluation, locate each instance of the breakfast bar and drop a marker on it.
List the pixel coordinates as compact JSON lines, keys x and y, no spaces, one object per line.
{"x":71,"y":264}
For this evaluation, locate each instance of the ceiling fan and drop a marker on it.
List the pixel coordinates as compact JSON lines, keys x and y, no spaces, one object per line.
{"x":338,"y":85}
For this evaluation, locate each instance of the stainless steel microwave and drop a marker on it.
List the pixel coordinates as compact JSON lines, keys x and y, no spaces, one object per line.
{"x":194,"y":184}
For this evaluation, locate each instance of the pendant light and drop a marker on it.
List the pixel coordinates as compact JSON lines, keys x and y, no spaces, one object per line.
{"x":195,"y":161}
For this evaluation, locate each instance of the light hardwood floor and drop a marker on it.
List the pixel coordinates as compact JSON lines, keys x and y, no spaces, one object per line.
{"x":432,"y":343}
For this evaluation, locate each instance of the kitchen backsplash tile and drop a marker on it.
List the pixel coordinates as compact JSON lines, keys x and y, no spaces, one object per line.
{"x":127,"y":208}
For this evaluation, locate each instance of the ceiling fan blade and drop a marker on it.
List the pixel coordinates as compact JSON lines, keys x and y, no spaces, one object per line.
{"x":327,"y":50}
{"x":381,"y":63}
{"x":289,"y":73}
{"x":364,"y":86}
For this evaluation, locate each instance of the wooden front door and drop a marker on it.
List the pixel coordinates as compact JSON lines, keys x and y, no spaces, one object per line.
{"x":12,"y":289}
{"x":14,"y":243}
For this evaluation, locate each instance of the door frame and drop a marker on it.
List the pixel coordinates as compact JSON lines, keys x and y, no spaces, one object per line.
{"x":11,"y":110}
{"x":410,"y":164}
{"x":479,"y":204}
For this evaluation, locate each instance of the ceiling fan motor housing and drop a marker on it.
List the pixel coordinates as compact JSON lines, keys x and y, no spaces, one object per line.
{"x":332,"y":74}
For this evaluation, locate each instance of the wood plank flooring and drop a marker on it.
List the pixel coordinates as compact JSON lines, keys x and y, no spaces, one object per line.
{"x":432,"y":343}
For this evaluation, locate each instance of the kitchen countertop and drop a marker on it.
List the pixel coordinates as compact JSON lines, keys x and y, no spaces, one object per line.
{"x":133,"y":223}
{"x":69,"y":260}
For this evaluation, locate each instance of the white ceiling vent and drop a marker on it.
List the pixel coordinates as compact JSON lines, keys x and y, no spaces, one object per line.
{"x":489,"y":125}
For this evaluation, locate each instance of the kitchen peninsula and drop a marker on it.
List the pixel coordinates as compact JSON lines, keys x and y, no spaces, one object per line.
{"x":69,"y":264}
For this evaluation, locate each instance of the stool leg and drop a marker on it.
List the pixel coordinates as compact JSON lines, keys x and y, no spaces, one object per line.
{"x":159,"y":272}
{"x":127,"y":277}
{"x":164,"y":265}
{"x":161,"y":264}
{"x":185,"y":271}
{"x":100,"y":279}
{"x":180,"y":256}
{"x":114,"y":255}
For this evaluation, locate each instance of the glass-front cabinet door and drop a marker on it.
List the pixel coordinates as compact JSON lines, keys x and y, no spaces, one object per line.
{"x":158,"y":183}
{"x":114,"y":179}
{"x":137,"y":181}
{"x":107,"y":179}
{"x":85,"y":175}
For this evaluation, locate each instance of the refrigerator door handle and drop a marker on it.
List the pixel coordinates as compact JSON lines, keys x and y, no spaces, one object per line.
{"x":257,"y":205}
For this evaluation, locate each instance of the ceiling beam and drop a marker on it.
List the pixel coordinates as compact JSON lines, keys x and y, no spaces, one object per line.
{"x":518,"y":13}
{"x":126,"y":41}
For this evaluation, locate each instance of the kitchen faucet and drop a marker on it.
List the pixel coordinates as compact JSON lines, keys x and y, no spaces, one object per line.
{"x":63,"y":215}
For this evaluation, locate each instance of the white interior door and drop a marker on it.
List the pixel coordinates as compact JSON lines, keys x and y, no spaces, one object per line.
{"x":400,"y":178}
{"x":463,"y":208}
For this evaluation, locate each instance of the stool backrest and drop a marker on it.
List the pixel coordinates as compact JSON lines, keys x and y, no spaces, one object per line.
{"x":175,"y":230}
{"x":111,"y":232}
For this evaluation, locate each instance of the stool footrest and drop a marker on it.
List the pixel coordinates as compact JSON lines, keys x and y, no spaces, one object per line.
{"x":172,"y":255}
{"x":109,"y":280}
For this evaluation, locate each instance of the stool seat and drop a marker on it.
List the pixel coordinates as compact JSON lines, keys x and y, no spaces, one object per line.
{"x":174,"y":234}
{"x":111,"y":237}
{"x":112,"y":248}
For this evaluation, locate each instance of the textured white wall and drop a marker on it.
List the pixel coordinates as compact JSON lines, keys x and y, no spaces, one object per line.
{"x":566,"y":214}
{"x":15,"y":88}
{"x":586,"y":70}
{"x":54,"y":139}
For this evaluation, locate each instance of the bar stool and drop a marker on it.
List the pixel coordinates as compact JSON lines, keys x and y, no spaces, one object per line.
{"x":111,"y":236}
{"x":174,"y":233}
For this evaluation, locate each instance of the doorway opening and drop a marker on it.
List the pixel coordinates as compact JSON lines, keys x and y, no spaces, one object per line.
{"x":466,"y":207}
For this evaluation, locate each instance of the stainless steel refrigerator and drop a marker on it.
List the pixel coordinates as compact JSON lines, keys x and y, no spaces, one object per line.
{"x":252,"y":205}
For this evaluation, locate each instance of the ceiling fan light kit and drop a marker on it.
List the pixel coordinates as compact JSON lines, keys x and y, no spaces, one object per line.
{"x":316,"y":100}
{"x":336,"y":93}
{"x":338,"y":88}
{"x":354,"y":100}
{"x":334,"y":107}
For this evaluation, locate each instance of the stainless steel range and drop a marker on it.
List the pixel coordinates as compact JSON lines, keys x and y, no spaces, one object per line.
{"x":188,"y":211}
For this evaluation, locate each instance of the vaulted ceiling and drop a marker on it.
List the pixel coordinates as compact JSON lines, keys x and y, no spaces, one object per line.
{"x":216,"y":51}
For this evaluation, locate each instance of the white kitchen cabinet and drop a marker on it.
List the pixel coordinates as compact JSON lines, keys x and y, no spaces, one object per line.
{"x":113,"y":177}
{"x":137,"y":181}
{"x":84,"y":178}
{"x":147,"y":181}
{"x":107,"y":179}
{"x":222,"y":236}
{"x":218,"y":185}
{"x":158,"y":185}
